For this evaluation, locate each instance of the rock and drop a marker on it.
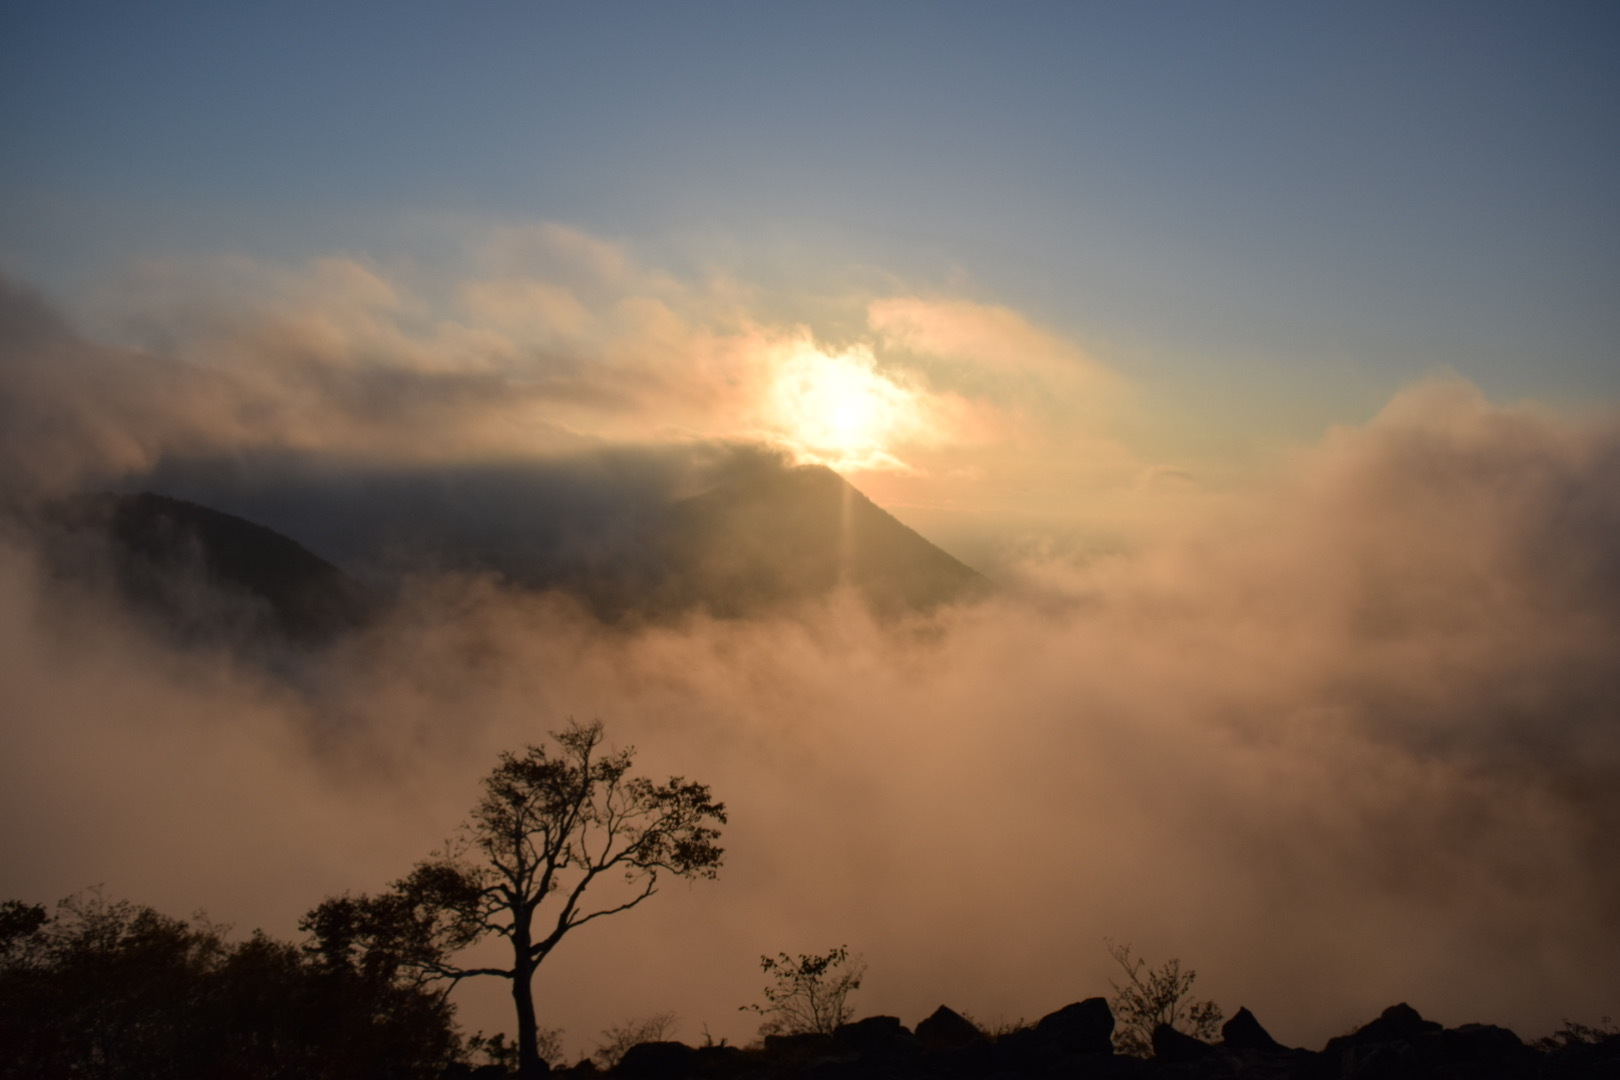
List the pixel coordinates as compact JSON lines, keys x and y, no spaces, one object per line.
{"x":1398,"y":1023}
{"x":1243,"y":1032}
{"x":974,"y":1059}
{"x":875,"y":1035}
{"x":1479,"y":1050}
{"x":1172,"y":1045}
{"x":719,"y":1060}
{"x":946,"y":1029}
{"x":798,"y":1047}
{"x":657,"y":1061}
{"x":1023,"y":1052}
{"x":1085,"y":1027}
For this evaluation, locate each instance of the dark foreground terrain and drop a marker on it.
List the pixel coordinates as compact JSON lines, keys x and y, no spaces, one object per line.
{"x":1075,"y":1043}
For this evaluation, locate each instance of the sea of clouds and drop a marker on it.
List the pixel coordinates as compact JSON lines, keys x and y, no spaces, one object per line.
{"x":1348,"y":739}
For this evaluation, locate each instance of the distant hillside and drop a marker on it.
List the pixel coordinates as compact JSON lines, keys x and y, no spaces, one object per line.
{"x":631,"y":535}
{"x":203,"y":572}
{"x":755,"y":541}
{"x":781,"y":537}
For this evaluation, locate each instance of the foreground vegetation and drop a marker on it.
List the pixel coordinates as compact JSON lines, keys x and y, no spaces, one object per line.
{"x":99,"y":988}
{"x":109,"y":990}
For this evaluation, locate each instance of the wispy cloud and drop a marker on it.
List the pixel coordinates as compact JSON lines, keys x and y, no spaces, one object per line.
{"x":548,"y":341}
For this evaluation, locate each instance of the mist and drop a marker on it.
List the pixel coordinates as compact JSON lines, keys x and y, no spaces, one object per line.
{"x":1347,"y":739}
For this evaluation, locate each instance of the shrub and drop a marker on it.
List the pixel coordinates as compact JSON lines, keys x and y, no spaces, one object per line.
{"x":1153,"y":996}
{"x":616,"y":1040}
{"x":808,"y":994}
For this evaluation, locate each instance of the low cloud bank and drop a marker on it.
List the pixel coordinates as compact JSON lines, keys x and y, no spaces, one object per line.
{"x":1352,"y":741}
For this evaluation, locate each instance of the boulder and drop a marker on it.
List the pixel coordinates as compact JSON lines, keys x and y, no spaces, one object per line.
{"x":719,"y":1060}
{"x":657,"y":1061}
{"x":1172,"y":1045}
{"x":875,"y":1035}
{"x":947,"y":1029}
{"x":1398,"y":1023}
{"x":1243,"y":1032}
{"x":1482,"y":1050}
{"x":1085,"y":1027}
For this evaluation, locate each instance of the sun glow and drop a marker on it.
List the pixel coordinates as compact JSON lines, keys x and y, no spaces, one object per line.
{"x":839,"y":410}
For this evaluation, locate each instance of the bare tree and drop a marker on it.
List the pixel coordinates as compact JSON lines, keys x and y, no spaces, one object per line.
{"x":1150,"y":997}
{"x":621,"y":1037}
{"x":809,"y":994}
{"x":550,"y":828}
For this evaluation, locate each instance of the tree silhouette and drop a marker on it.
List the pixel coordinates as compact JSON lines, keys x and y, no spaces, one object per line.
{"x":809,"y":994}
{"x":549,"y":827}
{"x":118,"y":991}
{"x":1151,"y":997}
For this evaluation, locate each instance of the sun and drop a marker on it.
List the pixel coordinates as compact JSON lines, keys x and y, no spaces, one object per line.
{"x":838,"y":408}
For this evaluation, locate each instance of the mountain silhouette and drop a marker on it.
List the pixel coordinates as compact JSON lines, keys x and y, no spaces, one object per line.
{"x":202,"y":572}
{"x":758,"y":541}
{"x":780,"y":537}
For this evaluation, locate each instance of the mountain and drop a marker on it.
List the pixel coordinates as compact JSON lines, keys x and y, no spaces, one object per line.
{"x":201,"y":572}
{"x":758,"y":541}
{"x":752,"y":541}
{"x":781,"y":537}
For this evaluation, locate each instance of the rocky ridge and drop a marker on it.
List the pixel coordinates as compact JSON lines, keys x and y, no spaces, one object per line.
{"x":1076,"y":1043}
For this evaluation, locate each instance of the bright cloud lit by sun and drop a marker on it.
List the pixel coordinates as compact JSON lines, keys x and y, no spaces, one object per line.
{"x":840,"y":410}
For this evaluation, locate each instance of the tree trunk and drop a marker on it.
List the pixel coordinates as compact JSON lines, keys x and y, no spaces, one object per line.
{"x":530,"y":1065}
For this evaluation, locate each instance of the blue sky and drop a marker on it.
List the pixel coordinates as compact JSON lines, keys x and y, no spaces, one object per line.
{"x":1269,"y":217}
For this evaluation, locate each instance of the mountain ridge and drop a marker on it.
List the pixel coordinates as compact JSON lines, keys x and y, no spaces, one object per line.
{"x":755,"y":542}
{"x":200,"y":570}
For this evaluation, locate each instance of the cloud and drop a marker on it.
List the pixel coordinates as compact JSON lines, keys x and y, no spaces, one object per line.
{"x":551,"y":341}
{"x":992,"y":352}
{"x":71,"y":408}
{"x":1346,"y":740}
{"x":1030,"y":414}
{"x":1353,"y":741}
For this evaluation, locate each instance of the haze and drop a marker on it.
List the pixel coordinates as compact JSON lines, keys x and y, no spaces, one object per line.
{"x":1265,"y":359}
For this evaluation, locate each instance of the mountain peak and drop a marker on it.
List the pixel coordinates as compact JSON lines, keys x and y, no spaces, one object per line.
{"x":783,"y":536}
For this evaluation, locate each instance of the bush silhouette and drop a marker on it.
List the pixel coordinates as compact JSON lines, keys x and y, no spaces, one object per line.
{"x":808,"y":994}
{"x":621,"y":1037}
{"x":1150,"y":997}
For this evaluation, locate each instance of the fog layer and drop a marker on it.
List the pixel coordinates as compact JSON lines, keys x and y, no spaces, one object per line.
{"x":1350,"y":740}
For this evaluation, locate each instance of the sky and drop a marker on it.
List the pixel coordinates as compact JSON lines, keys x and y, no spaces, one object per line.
{"x":1266,"y":219}
{"x":1265,"y":352}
